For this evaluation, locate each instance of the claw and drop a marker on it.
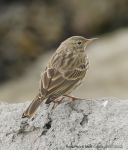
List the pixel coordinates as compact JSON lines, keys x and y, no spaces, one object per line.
{"x":56,"y":101}
{"x":73,"y":98}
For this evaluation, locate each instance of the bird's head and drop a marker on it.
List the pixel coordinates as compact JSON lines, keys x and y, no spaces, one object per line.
{"x":79,"y":43}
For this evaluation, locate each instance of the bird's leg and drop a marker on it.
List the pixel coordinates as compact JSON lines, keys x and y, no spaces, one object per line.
{"x":57,"y":101}
{"x":73,"y":98}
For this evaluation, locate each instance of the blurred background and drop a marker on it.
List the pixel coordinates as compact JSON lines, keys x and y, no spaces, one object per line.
{"x":31,"y":30}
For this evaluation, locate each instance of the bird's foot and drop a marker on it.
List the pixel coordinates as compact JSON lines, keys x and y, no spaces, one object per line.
{"x":73,"y":98}
{"x":57,"y":101}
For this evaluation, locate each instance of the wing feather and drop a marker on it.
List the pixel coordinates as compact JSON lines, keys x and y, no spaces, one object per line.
{"x":60,"y":82}
{"x":61,"y":92}
{"x":45,"y":80}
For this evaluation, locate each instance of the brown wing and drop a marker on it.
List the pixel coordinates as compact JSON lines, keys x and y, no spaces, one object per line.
{"x":55,"y":83}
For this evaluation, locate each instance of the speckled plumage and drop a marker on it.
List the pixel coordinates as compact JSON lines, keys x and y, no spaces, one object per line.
{"x":65,"y":72}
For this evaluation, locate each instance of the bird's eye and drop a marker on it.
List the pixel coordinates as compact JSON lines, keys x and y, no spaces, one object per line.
{"x":79,"y":43}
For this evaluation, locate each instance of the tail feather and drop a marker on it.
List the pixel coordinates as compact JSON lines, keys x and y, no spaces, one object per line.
{"x":30,"y":111}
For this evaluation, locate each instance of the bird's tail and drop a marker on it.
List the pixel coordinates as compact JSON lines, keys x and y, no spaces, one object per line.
{"x":30,"y":111}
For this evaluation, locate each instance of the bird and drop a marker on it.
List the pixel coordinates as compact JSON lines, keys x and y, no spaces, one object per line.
{"x":64,"y":73}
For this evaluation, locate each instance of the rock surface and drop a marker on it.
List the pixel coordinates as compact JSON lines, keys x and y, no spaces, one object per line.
{"x":84,"y":124}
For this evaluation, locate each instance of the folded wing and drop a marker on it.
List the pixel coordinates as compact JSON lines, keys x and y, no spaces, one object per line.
{"x":55,"y":83}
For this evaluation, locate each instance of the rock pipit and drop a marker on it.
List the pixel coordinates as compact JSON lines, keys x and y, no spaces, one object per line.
{"x":65,"y":72}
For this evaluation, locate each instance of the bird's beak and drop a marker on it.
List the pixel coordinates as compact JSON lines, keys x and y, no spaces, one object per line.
{"x":90,"y":40}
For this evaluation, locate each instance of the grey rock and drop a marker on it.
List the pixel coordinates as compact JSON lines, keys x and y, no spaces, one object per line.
{"x":94,"y":124}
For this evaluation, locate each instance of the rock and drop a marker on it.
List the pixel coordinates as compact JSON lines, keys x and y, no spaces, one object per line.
{"x":95,"y":123}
